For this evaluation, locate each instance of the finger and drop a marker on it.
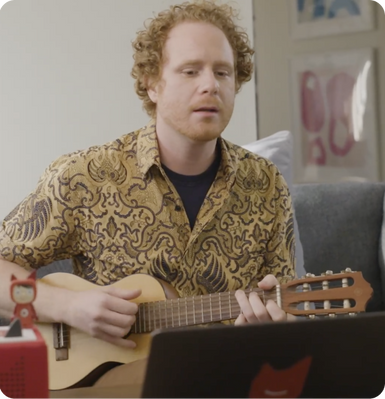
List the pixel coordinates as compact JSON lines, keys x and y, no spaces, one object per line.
{"x":275,"y":312}
{"x":268,"y":282}
{"x":122,"y":293}
{"x":125,"y":343}
{"x":118,"y":319}
{"x":241,"y":320}
{"x":120,"y":305}
{"x":113,"y":331}
{"x":291,"y":317}
{"x":245,"y":306}
{"x":258,"y":308}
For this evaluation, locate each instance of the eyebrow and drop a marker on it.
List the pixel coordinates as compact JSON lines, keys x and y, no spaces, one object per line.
{"x":216,"y":64}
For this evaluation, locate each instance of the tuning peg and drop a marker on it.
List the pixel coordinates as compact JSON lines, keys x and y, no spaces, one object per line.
{"x":328,"y":272}
{"x":332,"y":315}
{"x":348,"y":270}
{"x":352,"y":314}
{"x":311,"y":316}
{"x":309,"y":275}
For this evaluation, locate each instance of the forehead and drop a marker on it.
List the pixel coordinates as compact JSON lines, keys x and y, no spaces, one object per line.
{"x":198,"y":40}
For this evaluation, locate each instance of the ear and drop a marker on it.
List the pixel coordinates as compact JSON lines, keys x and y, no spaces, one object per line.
{"x":13,"y":277}
{"x":152,"y":89}
{"x":32,"y":276}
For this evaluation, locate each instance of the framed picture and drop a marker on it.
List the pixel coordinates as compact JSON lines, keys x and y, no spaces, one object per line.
{"x":312,"y":18}
{"x":334,"y":117}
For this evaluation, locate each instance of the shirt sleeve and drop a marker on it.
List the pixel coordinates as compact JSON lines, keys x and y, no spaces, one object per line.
{"x":42,"y":228}
{"x":280,"y":250}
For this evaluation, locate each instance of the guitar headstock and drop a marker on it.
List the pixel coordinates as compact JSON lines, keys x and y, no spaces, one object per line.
{"x":332,"y":294}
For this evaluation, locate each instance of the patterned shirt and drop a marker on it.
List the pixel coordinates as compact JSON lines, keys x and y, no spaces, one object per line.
{"x":113,"y":210}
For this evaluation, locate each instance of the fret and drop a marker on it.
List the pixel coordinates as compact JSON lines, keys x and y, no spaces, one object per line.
{"x":193,"y":303}
{"x":179,"y":310}
{"x":160,"y":314}
{"x":137,"y":320}
{"x":149,"y":316}
{"x":165,"y":306}
{"x":230,"y":305}
{"x":172,"y":312}
{"x":211,"y":309}
{"x":220,"y":306}
{"x":144,"y":318}
{"x":203,"y":317}
{"x":185,"y":302}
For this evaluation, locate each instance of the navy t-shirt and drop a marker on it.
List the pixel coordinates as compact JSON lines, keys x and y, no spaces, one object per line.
{"x":193,"y":189}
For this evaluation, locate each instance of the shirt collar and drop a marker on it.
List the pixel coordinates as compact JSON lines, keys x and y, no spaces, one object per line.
{"x":148,"y":150}
{"x":229,"y":162}
{"x":148,"y":153}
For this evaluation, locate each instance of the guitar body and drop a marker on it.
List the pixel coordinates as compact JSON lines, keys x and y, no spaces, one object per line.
{"x":82,"y":355}
{"x":86,"y":353}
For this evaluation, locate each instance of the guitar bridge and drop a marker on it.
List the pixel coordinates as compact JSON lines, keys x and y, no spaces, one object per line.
{"x":61,"y":341}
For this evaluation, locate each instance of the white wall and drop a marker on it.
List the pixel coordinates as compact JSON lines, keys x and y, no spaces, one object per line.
{"x":65,"y":83}
{"x":274,"y":48}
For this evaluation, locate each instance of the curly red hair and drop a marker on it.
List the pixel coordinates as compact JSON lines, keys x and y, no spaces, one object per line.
{"x":149,"y":43}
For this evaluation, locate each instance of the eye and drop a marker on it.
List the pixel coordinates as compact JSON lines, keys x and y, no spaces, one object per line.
{"x":190,"y":72}
{"x":222,"y":74}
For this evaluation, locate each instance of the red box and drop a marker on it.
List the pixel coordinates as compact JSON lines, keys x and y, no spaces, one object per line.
{"x":23,"y":365}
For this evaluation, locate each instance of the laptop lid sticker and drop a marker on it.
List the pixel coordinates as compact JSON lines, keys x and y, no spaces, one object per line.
{"x":284,"y":383}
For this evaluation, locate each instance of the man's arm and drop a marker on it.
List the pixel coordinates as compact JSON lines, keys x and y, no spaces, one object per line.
{"x":47,"y":309}
{"x":107,"y":314}
{"x":279,"y":265}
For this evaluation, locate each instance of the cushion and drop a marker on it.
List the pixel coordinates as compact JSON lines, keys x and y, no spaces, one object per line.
{"x":278,"y":148}
{"x":340,"y":227}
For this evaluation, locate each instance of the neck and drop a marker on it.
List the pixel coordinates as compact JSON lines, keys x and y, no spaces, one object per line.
{"x":182,"y":154}
{"x":189,"y":311}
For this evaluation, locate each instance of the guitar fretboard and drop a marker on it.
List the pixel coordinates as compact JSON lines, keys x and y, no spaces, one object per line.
{"x":189,"y":311}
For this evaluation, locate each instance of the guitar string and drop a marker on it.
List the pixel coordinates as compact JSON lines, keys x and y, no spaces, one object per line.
{"x":66,"y":333}
{"x":203,"y":318}
{"x":213,"y":308}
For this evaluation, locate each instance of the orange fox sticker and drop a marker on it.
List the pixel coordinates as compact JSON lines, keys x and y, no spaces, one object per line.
{"x":286,"y":383}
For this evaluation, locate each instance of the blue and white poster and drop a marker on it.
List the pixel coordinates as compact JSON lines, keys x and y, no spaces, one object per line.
{"x":312,"y":18}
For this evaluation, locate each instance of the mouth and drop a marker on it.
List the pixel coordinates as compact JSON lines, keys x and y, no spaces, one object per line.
{"x":213,"y":110}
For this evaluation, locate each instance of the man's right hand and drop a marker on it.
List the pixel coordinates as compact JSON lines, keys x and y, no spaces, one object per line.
{"x":107,"y":313}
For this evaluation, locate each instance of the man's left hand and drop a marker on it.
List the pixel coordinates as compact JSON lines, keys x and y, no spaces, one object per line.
{"x":254,"y":311}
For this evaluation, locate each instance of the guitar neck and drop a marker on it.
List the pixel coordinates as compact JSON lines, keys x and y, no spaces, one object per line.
{"x":189,"y":311}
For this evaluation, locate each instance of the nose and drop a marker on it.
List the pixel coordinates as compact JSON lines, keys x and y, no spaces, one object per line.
{"x":209,"y":83}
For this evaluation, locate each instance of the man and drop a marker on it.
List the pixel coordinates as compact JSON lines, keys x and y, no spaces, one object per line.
{"x":173,"y":199}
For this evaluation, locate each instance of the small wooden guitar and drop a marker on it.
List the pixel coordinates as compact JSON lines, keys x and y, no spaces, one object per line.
{"x":73,"y":355}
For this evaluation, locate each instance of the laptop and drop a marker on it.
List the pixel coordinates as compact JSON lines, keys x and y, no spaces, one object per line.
{"x":343,"y":357}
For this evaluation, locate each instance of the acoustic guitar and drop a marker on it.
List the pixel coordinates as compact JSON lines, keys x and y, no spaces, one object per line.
{"x":74,"y":355}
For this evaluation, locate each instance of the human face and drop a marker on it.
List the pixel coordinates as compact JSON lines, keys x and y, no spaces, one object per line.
{"x":195,"y":94}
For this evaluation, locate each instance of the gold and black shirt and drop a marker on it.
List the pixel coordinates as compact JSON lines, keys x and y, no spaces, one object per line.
{"x":113,"y":210}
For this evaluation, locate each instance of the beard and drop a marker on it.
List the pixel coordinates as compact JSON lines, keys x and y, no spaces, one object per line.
{"x":194,"y":127}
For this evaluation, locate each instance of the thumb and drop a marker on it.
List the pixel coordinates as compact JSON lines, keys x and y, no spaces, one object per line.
{"x":268,"y":282}
{"x":122,"y":293}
